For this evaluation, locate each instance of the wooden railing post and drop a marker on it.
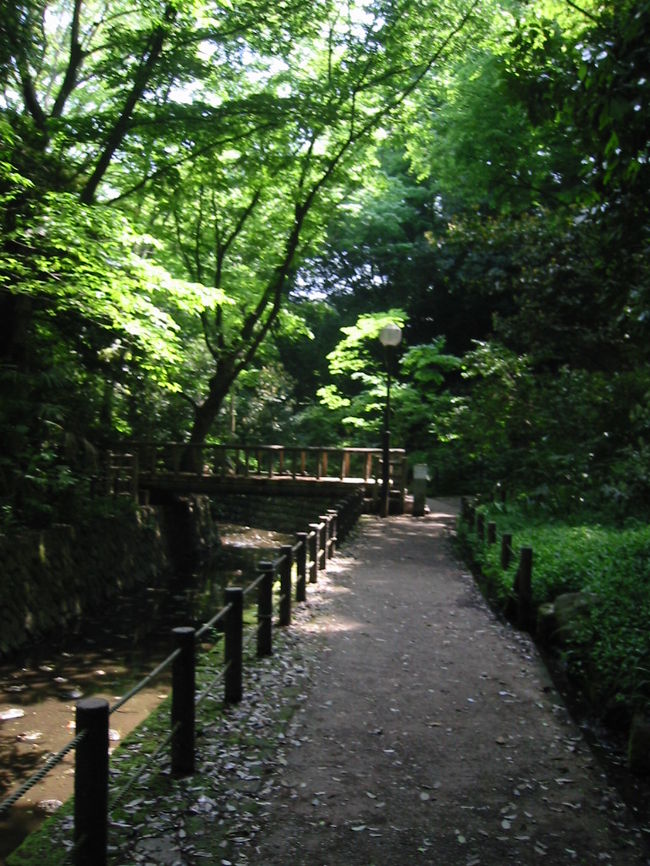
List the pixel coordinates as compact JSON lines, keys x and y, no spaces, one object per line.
{"x":525,"y":588}
{"x":333,"y":528}
{"x":301,"y":565}
{"x":91,"y":784}
{"x":322,"y":542}
{"x":480,"y":527}
{"x":314,"y":533}
{"x":285,"y":585}
{"x":341,"y":528}
{"x":183,"y":692}
{"x":234,"y":627}
{"x":265,"y":610}
{"x":506,"y":550}
{"x":491,"y":532}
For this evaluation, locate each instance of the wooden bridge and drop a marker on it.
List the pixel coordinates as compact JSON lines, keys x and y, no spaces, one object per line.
{"x":278,"y":470}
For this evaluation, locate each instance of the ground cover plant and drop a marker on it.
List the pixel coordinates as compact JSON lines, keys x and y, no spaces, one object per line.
{"x":608,"y":563}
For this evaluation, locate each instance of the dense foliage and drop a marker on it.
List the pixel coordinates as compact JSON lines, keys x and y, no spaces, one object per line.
{"x":609,"y":647}
{"x":208,"y":209}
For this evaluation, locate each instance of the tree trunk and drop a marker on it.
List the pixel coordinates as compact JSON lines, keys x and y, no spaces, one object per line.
{"x":15,"y":329}
{"x":205,"y":415}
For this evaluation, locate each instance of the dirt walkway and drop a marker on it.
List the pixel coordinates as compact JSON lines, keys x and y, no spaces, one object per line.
{"x":432,"y":733}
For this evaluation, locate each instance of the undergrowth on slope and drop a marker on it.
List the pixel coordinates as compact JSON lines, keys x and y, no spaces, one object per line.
{"x":610,"y":564}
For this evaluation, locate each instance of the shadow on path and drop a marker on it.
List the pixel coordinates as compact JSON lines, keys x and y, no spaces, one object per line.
{"x":433,"y":733}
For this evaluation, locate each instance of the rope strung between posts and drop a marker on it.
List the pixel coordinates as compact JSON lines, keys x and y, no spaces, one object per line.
{"x":121,"y":793}
{"x":145,"y":682}
{"x":40,"y":774}
{"x":263,"y":622}
{"x":253,"y":585}
{"x":216,"y":679}
{"x":222,"y":614}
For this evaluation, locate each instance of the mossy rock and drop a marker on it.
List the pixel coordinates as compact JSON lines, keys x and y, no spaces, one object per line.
{"x":572,"y":614}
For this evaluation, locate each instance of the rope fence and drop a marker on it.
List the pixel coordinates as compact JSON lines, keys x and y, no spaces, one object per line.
{"x":307,"y":557}
{"x":523,"y":581}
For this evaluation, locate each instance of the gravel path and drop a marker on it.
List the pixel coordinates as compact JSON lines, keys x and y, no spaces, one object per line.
{"x":432,"y":733}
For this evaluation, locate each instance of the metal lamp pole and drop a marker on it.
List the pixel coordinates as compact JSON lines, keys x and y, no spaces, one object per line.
{"x":390,"y":336}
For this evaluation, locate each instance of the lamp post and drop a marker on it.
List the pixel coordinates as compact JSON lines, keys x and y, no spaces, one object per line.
{"x":390,"y":336}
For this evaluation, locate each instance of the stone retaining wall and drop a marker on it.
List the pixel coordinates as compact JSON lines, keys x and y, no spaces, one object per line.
{"x":282,"y":514}
{"x":50,"y":577}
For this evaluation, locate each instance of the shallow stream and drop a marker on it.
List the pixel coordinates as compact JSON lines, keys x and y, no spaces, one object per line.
{"x":104,"y":656}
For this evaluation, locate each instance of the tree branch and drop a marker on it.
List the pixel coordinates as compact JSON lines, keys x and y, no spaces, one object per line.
{"x":75,"y":59}
{"x":30,"y":99}
{"x":120,"y":128}
{"x":189,"y":157}
{"x":582,"y":11}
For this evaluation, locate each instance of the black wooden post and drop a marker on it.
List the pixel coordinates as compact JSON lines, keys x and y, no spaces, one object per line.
{"x":506,"y":550}
{"x":285,"y":585}
{"x":322,"y":544}
{"x":301,"y":566}
{"x":91,"y":783}
{"x":314,"y":533}
{"x":333,"y":516}
{"x":525,"y":588}
{"x":342,"y":529}
{"x":183,"y":693}
{"x":234,"y":626}
{"x":491,"y":532}
{"x":480,"y":527}
{"x":358,"y":505}
{"x":265,"y":610}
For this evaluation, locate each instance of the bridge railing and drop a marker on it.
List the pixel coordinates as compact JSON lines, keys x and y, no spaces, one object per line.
{"x":270,"y":461}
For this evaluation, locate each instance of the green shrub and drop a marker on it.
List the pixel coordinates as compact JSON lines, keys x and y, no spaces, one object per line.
{"x":612,"y":562}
